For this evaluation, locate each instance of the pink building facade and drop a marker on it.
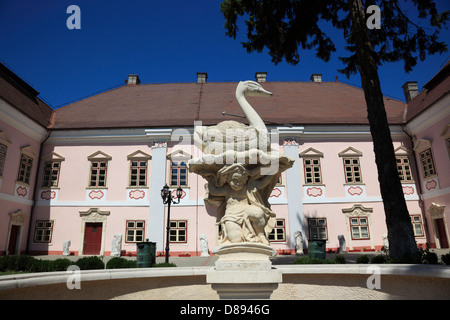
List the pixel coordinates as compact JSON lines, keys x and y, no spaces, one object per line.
{"x":23,"y":128}
{"x":100,"y":165}
{"x":427,"y":122}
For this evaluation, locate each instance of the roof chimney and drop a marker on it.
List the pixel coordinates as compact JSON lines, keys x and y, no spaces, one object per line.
{"x":133,"y":79}
{"x":261,"y":76}
{"x":201,"y":77}
{"x":410,"y":90}
{"x":316,"y":77}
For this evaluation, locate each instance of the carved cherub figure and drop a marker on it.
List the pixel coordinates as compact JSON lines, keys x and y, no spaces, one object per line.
{"x":245,"y":217}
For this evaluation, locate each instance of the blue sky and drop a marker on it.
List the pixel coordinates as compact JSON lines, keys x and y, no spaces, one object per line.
{"x":161,"y":41}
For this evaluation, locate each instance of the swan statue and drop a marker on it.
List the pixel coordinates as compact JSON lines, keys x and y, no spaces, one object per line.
{"x":241,"y":171}
{"x":232,"y":135}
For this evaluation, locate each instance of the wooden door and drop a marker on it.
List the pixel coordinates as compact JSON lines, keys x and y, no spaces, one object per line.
{"x":13,"y":239}
{"x":442,"y":234}
{"x":92,"y":238}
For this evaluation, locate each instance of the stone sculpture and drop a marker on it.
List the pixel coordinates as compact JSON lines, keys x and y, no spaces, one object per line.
{"x":386,"y":242}
{"x":66,"y":248}
{"x":241,"y":171}
{"x":116,"y":245}
{"x":223,"y":136}
{"x":298,"y":243}
{"x":204,"y":246}
{"x":342,"y":243}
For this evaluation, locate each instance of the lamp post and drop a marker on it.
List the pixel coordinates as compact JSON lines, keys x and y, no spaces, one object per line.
{"x":168,"y":199}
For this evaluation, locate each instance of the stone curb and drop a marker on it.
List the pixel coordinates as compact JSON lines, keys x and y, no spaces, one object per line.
{"x":48,"y":278}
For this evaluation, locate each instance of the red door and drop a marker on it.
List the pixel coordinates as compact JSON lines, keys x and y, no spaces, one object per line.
{"x":13,"y":239}
{"x":442,"y":234}
{"x":92,"y":238}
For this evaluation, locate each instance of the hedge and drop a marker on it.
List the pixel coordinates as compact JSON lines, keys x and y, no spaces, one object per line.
{"x":25,"y":263}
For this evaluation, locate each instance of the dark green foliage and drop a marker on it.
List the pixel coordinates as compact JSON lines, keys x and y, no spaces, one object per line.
{"x":308,"y":260}
{"x":164,"y":265}
{"x":362,"y":259}
{"x":90,"y":263}
{"x":61,"y":264}
{"x":5,"y":263}
{"x":340,"y":259}
{"x":285,"y":26}
{"x":39,"y":265}
{"x":427,"y":257}
{"x":446,"y":258}
{"x":23,"y":263}
{"x":120,"y":263}
{"x":378,"y":259}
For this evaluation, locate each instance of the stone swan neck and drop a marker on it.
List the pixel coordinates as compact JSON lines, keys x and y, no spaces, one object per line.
{"x":251,"y":88}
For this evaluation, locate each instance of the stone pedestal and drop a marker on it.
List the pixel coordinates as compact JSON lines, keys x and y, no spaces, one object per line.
{"x":244,"y":271}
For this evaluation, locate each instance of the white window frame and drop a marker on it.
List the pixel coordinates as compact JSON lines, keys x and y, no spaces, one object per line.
{"x":177,"y":230}
{"x":134,"y":229}
{"x":279,"y":231}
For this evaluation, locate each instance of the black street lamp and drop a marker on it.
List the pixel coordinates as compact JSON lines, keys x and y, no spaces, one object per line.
{"x":168,"y":199}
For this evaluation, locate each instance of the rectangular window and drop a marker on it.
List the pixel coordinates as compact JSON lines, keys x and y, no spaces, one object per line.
{"x":416,"y":221}
{"x":135,"y":230}
{"x":178,"y":173}
{"x":360,"y":228}
{"x":178,"y":231}
{"x":318,"y":229}
{"x":43,"y":231}
{"x":26,"y":163}
{"x":51,"y":174}
{"x":279,"y":232}
{"x":3,"y":150}
{"x":98,"y":174}
{"x":352,"y":170}
{"x":404,"y":169}
{"x":138,"y":173}
{"x":313,"y":173}
{"x":426,"y":159}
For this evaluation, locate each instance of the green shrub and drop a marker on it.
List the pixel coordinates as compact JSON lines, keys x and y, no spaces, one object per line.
{"x":90,"y":263}
{"x":5,"y":262}
{"x":340,"y":259}
{"x":11,"y":263}
{"x":164,"y":265}
{"x":16,"y":263}
{"x":41,"y":266}
{"x":446,"y":258}
{"x":381,"y":258}
{"x":61,"y":264}
{"x":426,"y":256}
{"x":119,"y":263}
{"x":429,"y":258}
{"x":23,"y":263}
{"x":362,"y":259}
{"x":308,"y":260}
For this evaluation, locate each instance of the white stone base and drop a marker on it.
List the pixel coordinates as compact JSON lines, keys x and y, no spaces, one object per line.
{"x":244,"y":271}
